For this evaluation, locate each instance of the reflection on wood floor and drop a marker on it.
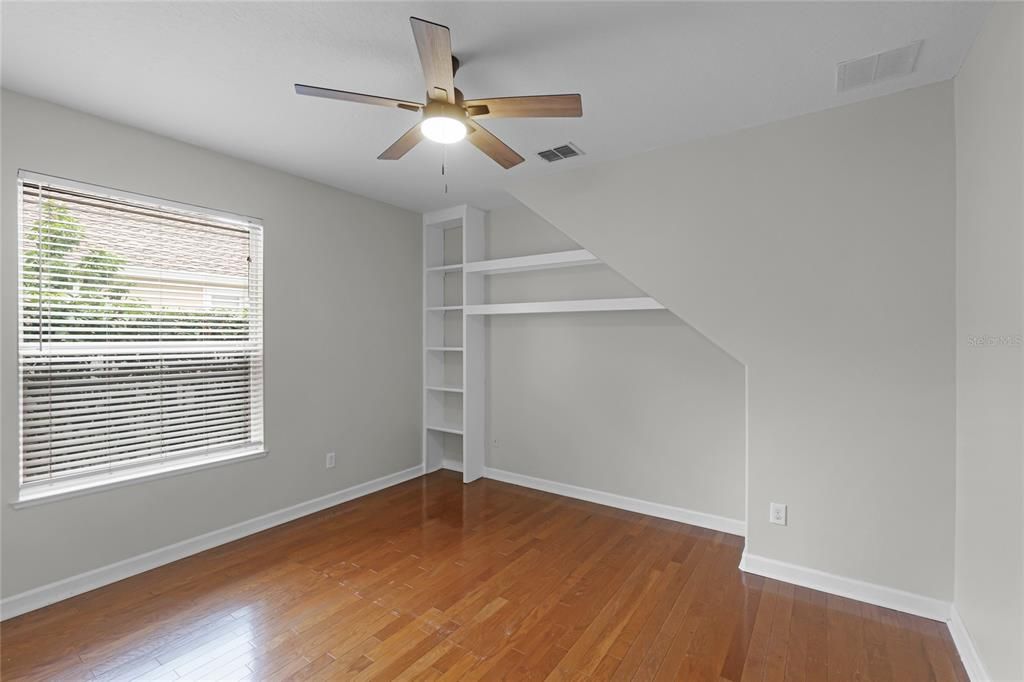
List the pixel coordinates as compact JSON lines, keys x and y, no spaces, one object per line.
{"x":432,"y":579}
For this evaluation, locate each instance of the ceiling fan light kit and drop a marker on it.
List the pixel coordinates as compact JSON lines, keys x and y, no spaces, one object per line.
{"x":443,"y":122}
{"x":447,"y":117}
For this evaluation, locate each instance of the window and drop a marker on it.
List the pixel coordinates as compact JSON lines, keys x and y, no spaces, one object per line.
{"x":141,"y":336}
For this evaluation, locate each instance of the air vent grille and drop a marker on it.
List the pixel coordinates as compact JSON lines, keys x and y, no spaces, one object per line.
{"x":565,"y":151}
{"x":857,"y":73}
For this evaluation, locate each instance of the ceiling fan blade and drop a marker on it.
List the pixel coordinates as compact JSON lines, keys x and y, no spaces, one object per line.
{"x":536,"y":106}
{"x":410,"y":139}
{"x":434,"y":43}
{"x":489,"y":144}
{"x":345,"y":96}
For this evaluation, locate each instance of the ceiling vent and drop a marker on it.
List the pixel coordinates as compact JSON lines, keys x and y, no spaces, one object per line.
{"x":857,"y":73}
{"x":565,"y":151}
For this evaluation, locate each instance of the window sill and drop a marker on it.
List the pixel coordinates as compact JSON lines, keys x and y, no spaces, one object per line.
{"x":62,"y":490}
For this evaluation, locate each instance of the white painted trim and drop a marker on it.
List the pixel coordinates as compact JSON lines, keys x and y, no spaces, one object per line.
{"x":581,"y":306}
{"x":664,"y":511}
{"x":879,"y":595}
{"x":444,"y":428}
{"x":540,"y":261}
{"x":43,"y":493}
{"x":447,"y":389}
{"x":474,"y":343}
{"x":69,"y":587}
{"x":445,"y":268}
{"x":965,"y":647}
{"x":125,"y":195}
{"x":452,"y":464}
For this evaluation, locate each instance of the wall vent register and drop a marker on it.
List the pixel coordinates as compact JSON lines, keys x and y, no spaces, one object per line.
{"x":140,"y":336}
{"x":857,"y":73}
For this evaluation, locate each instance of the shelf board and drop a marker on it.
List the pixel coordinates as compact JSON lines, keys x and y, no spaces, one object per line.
{"x":446,"y":349}
{"x":443,"y":308}
{"x":445,"y":428}
{"x":447,"y":389}
{"x":540,"y":261}
{"x":587,"y":305}
{"x":445,"y":268}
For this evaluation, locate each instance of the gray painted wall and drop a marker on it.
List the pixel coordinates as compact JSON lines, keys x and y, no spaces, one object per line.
{"x":342,"y":325}
{"x":634,"y":403}
{"x":990,"y":356}
{"x":819,"y":251}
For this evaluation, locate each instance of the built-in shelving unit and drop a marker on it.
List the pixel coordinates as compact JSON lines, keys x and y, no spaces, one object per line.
{"x":455,"y":310}
{"x":540,"y":261}
{"x":453,"y":347}
{"x":449,"y":389}
{"x":581,"y":306}
{"x":445,"y":428}
{"x":455,"y":267}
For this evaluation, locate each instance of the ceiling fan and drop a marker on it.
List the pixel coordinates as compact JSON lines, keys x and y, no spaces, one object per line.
{"x":447,"y":117}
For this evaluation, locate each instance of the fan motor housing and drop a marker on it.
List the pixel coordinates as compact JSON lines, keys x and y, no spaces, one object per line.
{"x":440,"y":108}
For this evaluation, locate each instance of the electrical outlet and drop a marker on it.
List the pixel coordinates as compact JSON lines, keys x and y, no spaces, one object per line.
{"x":330,"y":460}
{"x":777,"y":513}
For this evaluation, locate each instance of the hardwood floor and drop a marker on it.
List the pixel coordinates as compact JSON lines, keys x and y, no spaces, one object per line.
{"x":435,"y":580}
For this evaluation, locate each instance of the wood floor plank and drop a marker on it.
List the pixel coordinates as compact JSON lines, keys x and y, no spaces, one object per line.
{"x":598,"y":637}
{"x":778,"y":645}
{"x":846,"y":657}
{"x":709,"y":641}
{"x":806,"y":660}
{"x":696,"y":566}
{"x":756,"y":664}
{"x":436,"y":580}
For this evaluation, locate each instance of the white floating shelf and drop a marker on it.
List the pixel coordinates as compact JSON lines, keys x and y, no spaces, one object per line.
{"x":444,"y":308}
{"x":447,"y":389}
{"x":588,"y":305}
{"x":445,"y":268}
{"x":445,"y":428}
{"x":540,"y":261}
{"x":446,"y":349}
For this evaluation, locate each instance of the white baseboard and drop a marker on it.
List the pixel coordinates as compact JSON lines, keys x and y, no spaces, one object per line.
{"x":965,"y":646}
{"x":879,"y":595}
{"x":664,"y":511}
{"x":69,"y":587}
{"x":452,"y":464}
{"x":890,"y":598}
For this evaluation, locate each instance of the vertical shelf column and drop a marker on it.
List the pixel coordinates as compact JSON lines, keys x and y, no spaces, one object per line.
{"x":474,"y":340}
{"x":443,"y":345}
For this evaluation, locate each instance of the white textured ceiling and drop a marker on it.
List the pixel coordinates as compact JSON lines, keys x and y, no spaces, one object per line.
{"x":220,"y":75}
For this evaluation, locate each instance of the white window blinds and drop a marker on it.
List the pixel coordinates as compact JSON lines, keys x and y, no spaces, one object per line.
{"x":141,"y":332}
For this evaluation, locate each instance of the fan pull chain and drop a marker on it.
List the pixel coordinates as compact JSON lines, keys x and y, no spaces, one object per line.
{"x":444,"y":161}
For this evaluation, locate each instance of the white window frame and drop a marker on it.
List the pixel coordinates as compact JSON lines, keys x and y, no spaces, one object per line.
{"x":42,"y":492}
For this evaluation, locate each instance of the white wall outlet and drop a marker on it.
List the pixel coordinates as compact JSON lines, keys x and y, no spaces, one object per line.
{"x":330,"y":460}
{"x":777,"y":513}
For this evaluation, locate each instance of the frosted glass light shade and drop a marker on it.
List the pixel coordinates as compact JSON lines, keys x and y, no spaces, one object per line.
{"x":443,"y":129}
